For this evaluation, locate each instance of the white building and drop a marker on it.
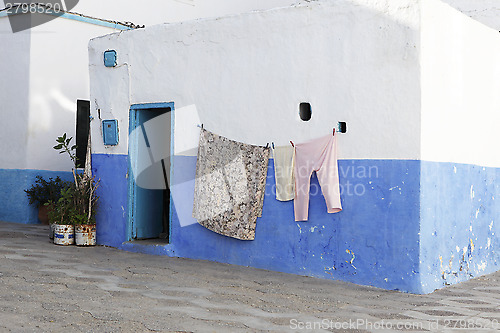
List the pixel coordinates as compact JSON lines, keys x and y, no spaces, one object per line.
{"x":417,"y":83}
{"x":44,"y":71}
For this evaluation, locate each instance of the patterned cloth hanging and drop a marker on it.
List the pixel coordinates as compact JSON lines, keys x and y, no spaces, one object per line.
{"x":229,"y":186}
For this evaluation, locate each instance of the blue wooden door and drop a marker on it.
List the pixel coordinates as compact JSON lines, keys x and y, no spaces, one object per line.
{"x":149,"y":187}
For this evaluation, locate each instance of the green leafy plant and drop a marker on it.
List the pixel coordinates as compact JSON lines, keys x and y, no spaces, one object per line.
{"x":63,"y":210}
{"x":79,"y":202}
{"x":43,"y":191}
{"x":63,"y":146}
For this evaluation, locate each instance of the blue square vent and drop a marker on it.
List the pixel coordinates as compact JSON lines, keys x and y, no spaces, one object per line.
{"x":110,"y":132}
{"x":110,"y":58}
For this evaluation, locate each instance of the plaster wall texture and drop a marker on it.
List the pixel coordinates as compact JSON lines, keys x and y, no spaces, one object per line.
{"x":460,"y":84}
{"x":342,"y":61}
{"x":425,"y":218}
{"x":157,"y":12}
{"x":47,"y":71}
{"x":14,"y":95}
{"x":484,"y":11}
{"x":243,"y":77}
{"x":58,"y":77}
{"x":459,"y":235}
{"x":44,"y":71}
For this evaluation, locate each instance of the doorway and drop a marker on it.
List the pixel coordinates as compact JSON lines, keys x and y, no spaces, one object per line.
{"x":150,"y":146}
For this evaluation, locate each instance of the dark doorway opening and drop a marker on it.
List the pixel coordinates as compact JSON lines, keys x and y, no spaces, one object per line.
{"x":150,"y":164}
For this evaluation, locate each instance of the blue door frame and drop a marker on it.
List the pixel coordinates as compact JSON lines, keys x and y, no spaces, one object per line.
{"x":133,"y":202}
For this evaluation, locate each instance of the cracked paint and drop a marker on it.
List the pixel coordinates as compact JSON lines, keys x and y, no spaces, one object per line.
{"x":328,"y":270}
{"x":352,"y":259}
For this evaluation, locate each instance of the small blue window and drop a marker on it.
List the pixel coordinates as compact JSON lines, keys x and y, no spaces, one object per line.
{"x":110,"y":58}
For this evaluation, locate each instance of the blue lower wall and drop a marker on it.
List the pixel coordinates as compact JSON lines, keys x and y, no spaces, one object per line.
{"x":460,"y":236}
{"x":15,"y":205}
{"x":112,"y":216}
{"x":373,"y":241}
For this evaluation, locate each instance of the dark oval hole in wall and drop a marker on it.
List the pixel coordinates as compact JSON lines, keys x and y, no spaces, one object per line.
{"x":305,"y":111}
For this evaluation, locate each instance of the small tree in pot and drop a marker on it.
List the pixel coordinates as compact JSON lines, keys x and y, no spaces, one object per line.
{"x":83,"y":196}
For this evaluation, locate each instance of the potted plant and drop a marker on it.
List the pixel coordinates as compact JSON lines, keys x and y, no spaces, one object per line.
{"x":85,"y":204}
{"x":82,"y":196}
{"x":44,"y":191}
{"x":62,"y":216}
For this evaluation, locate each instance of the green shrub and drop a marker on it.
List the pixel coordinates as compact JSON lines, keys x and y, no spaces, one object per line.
{"x":43,"y":191}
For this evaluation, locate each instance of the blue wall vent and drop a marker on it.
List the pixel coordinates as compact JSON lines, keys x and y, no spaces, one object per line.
{"x":110,"y":58}
{"x":110,"y":132}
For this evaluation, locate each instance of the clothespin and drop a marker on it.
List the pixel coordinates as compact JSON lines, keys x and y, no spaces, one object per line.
{"x":273,"y":145}
{"x":334,"y":131}
{"x":291,"y":142}
{"x":267,"y":145}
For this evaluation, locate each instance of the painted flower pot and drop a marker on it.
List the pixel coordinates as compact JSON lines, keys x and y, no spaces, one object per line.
{"x":64,"y":234}
{"x":85,"y":234}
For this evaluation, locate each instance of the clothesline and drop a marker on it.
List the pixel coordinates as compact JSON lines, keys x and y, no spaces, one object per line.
{"x":231,"y":177}
{"x":341,"y":128}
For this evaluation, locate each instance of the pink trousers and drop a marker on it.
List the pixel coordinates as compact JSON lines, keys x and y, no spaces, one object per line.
{"x":318,"y":155}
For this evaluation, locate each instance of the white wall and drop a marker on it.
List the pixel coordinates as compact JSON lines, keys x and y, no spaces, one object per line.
{"x":484,"y":11}
{"x":460,"y":87}
{"x":47,"y":71}
{"x":58,"y":77}
{"x":354,"y":61}
{"x":14,"y":91}
{"x":155,"y":12}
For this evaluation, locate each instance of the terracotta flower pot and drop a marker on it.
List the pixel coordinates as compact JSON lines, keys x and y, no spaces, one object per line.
{"x":43,"y":213}
{"x":85,"y":234}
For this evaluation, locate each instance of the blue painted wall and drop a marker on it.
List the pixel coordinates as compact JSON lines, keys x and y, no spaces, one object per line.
{"x":112,"y":217}
{"x":460,"y":234}
{"x":15,"y":205}
{"x":373,"y":241}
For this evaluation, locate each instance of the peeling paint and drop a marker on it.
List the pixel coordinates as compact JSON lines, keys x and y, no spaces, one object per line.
{"x":482,"y":266}
{"x":313,"y":228}
{"x":352,"y":259}
{"x":328,"y":270}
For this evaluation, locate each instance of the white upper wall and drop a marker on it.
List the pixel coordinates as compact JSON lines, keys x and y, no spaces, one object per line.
{"x":484,"y":11}
{"x":47,"y":67}
{"x":155,"y":12}
{"x":460,"y":87}
{"x":354,"y":61}
{"x":58,"y":77}
{"x":14,"y":95}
